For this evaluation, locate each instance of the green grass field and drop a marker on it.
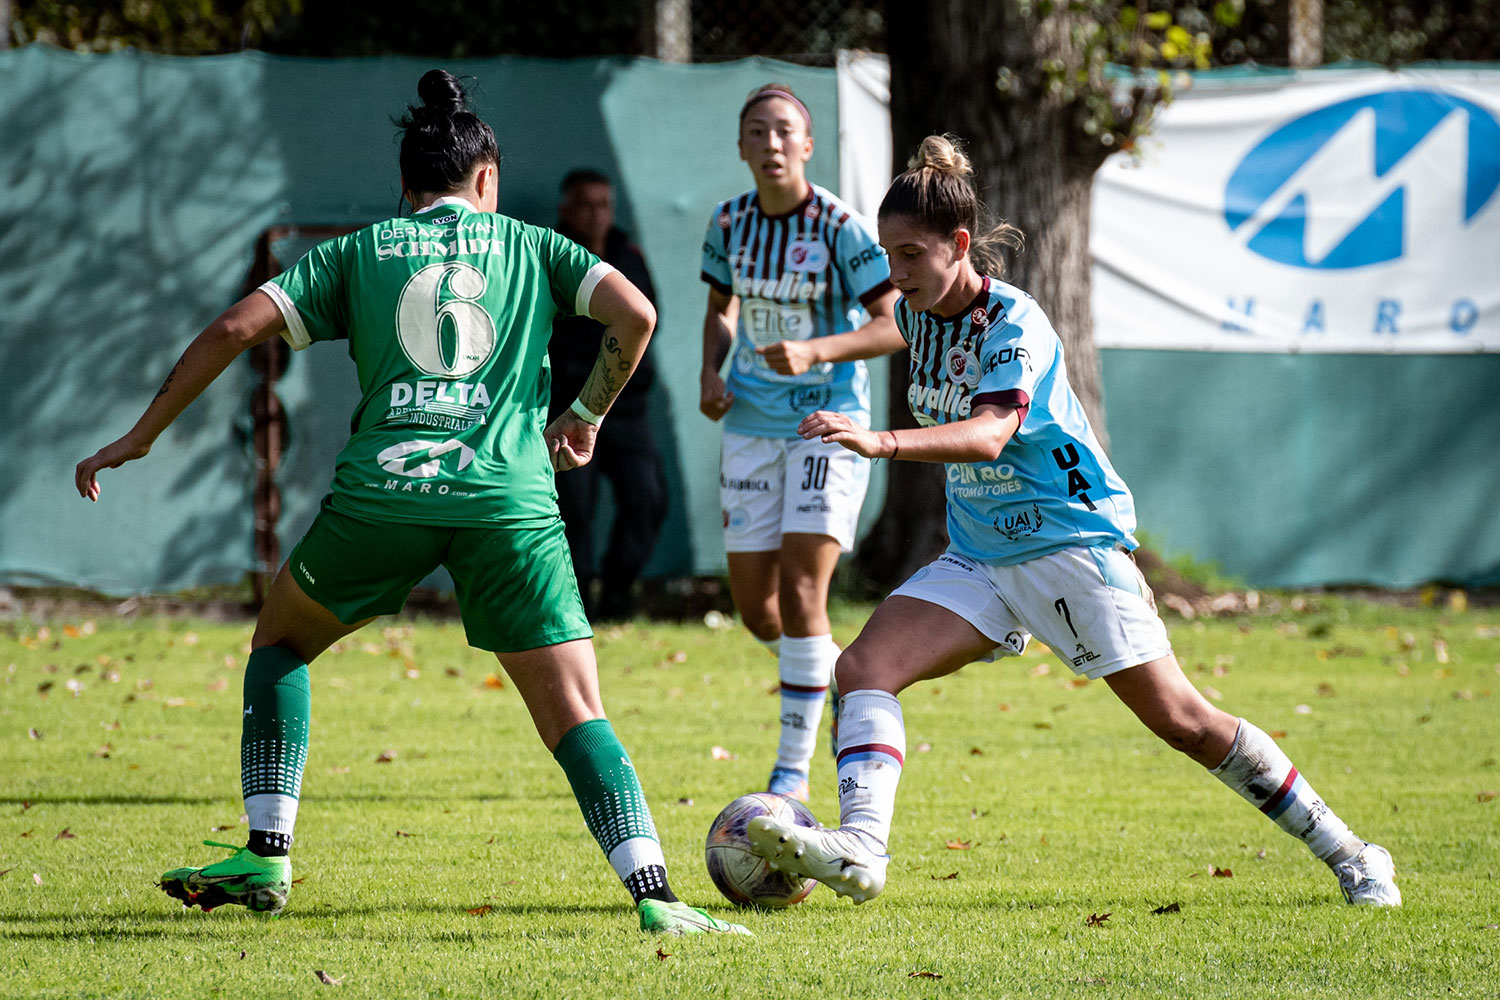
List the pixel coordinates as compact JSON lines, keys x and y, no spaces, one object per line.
{"x":440,"y":853}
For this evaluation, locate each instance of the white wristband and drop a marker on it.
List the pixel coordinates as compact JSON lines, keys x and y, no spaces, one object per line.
{"x":585,"y":414}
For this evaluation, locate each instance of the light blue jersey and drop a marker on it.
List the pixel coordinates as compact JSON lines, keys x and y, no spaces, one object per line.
{"x":1052,"y":487}
{"x":798,"y":276}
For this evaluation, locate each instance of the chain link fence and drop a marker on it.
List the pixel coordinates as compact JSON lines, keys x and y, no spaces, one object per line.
{"x":803,"y":31}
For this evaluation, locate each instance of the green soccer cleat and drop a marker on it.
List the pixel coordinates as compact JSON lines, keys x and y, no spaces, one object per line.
{"x":679,"y":918}
{"x":257,"y":883}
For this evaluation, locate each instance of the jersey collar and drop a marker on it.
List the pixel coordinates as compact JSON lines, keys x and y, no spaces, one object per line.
{"x":980,"y":301}
{"x":445,"y":201}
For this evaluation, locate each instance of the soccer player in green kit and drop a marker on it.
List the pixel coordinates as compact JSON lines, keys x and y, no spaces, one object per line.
{"x":447,"y":314}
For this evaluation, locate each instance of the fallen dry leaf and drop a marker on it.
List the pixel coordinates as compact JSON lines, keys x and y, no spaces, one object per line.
{"x":1423,"y":719}
{"x":958,"y":845}
{"x":936,"y":878}
{"x":1169,"y":908}
{"x":43,"y":688}
{"x":1222,"y":872}
{"x":224,"y":826}
{"x":25,"y":833}
{"x":326,"y":979}
{"x":34,"y":734}
{"x":6,"y":871}
{"x":1325,"y":690}
{"x":25,"y":804}
{"x":452,"y":672}
{"x":386,"y":756}
{"x":662,"y":956}
{"x":493,"y":682}
{"x":975,"y":752}
{"x":1041,"y":725}
{"x":1487,"y":796}
{"x":403,"y":833}
{"x":684,"y":801}
{"x":66,"y":834}
{"x":924,"y":975}
{"x":1278,"y":734}
{"x":1097,"y":919}
{"x":481,"y":910}
{"x":103,"y":751}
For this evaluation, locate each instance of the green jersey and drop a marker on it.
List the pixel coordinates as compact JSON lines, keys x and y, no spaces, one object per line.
{"x":447,"y":314}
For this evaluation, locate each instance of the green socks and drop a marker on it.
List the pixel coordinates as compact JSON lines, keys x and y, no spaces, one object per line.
{"x":273,"y":745}
{"x":614,"y":807}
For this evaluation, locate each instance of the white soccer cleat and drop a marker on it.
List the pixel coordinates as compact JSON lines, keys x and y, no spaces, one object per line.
{"x":1369,"y":878}
{"x":837,"y":858}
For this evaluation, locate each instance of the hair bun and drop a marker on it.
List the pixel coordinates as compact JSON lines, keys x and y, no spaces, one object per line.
{"x":942,"y":153}
{"x":441,"y":91}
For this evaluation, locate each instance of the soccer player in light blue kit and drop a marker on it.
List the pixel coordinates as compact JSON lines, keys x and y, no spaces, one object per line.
{"x":1040,"y":540}
{"x":802,"y":267}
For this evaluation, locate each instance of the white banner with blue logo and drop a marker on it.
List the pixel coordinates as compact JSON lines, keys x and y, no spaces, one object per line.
{"x":1349,"y":211}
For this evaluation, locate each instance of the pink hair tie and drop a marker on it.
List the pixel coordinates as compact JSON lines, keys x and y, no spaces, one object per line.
{"x":765,"y":94}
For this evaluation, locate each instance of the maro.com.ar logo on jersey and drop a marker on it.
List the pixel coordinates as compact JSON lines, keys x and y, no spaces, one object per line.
{"x":1366,"y":180}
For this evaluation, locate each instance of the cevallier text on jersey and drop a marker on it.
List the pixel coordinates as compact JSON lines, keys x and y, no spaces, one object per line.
{"x":790,"y":287}
{"x":458,"y":393}
{"x":951,"y":398}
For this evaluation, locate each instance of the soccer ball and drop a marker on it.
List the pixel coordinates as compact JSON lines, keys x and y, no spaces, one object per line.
{"x":742,"y":876}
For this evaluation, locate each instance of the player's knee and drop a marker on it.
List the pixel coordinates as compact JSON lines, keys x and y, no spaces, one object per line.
{"x":1184,"y":731}
{"x":854,"y":671}
{"x":763,"y":623}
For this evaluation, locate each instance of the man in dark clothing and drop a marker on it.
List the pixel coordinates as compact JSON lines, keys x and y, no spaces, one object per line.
{"x":625,"y":454}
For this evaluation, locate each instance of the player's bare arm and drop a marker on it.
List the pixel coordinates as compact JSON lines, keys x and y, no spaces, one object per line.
{"x":715,"y":399}
{"x":628,"y":319}
{"x":875,"y":339}
{"x":978,"y":438}
{"x":250,"y":321}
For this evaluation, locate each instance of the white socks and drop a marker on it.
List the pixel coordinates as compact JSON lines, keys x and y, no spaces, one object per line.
{"x":272,"y":812}
{"x":1263,"y":775}
{"x":806,"y":668}
{"x":872,"y":751}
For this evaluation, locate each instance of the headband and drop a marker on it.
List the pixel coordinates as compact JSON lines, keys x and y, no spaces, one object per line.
{"x":785,"y":96}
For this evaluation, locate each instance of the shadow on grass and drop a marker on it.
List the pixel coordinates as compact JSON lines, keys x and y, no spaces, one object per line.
{"x":109,"y":800}
{"x":198,"y":800}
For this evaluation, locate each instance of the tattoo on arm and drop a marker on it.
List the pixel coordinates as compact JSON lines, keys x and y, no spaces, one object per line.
{"x":168,"y":382}
{"x":611,"y":345}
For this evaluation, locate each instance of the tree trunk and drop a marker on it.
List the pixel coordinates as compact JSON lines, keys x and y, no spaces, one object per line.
{"x":975,"y":70}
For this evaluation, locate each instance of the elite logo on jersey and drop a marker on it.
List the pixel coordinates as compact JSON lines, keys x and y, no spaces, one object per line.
{"x":394,"y":459}
{"x":806,"y":255}
{"x":962,"y":367}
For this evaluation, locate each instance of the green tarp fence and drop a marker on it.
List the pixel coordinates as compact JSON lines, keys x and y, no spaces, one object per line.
{"x":135,"y":187}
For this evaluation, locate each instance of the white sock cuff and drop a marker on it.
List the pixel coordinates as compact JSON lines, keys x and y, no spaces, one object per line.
{"x":630,"y":856}
{"x":871,"y":717}
{"x":773,"y":646}
{"x":807,"y":661}
{"x":272,"y":812}
{"x":1253,"y":754}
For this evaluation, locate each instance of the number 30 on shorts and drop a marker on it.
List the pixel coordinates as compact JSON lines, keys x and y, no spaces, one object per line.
{"x":814,"y":472}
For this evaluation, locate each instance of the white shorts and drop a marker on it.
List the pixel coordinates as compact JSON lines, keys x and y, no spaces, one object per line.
{"x":770,"y":487}
{"x":1091,"y":606}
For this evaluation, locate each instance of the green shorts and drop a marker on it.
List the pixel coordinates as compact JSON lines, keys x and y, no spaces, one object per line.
{"x":516,"y":588}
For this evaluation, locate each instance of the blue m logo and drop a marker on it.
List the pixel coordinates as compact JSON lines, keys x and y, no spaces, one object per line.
{"x":1366,"y":180}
